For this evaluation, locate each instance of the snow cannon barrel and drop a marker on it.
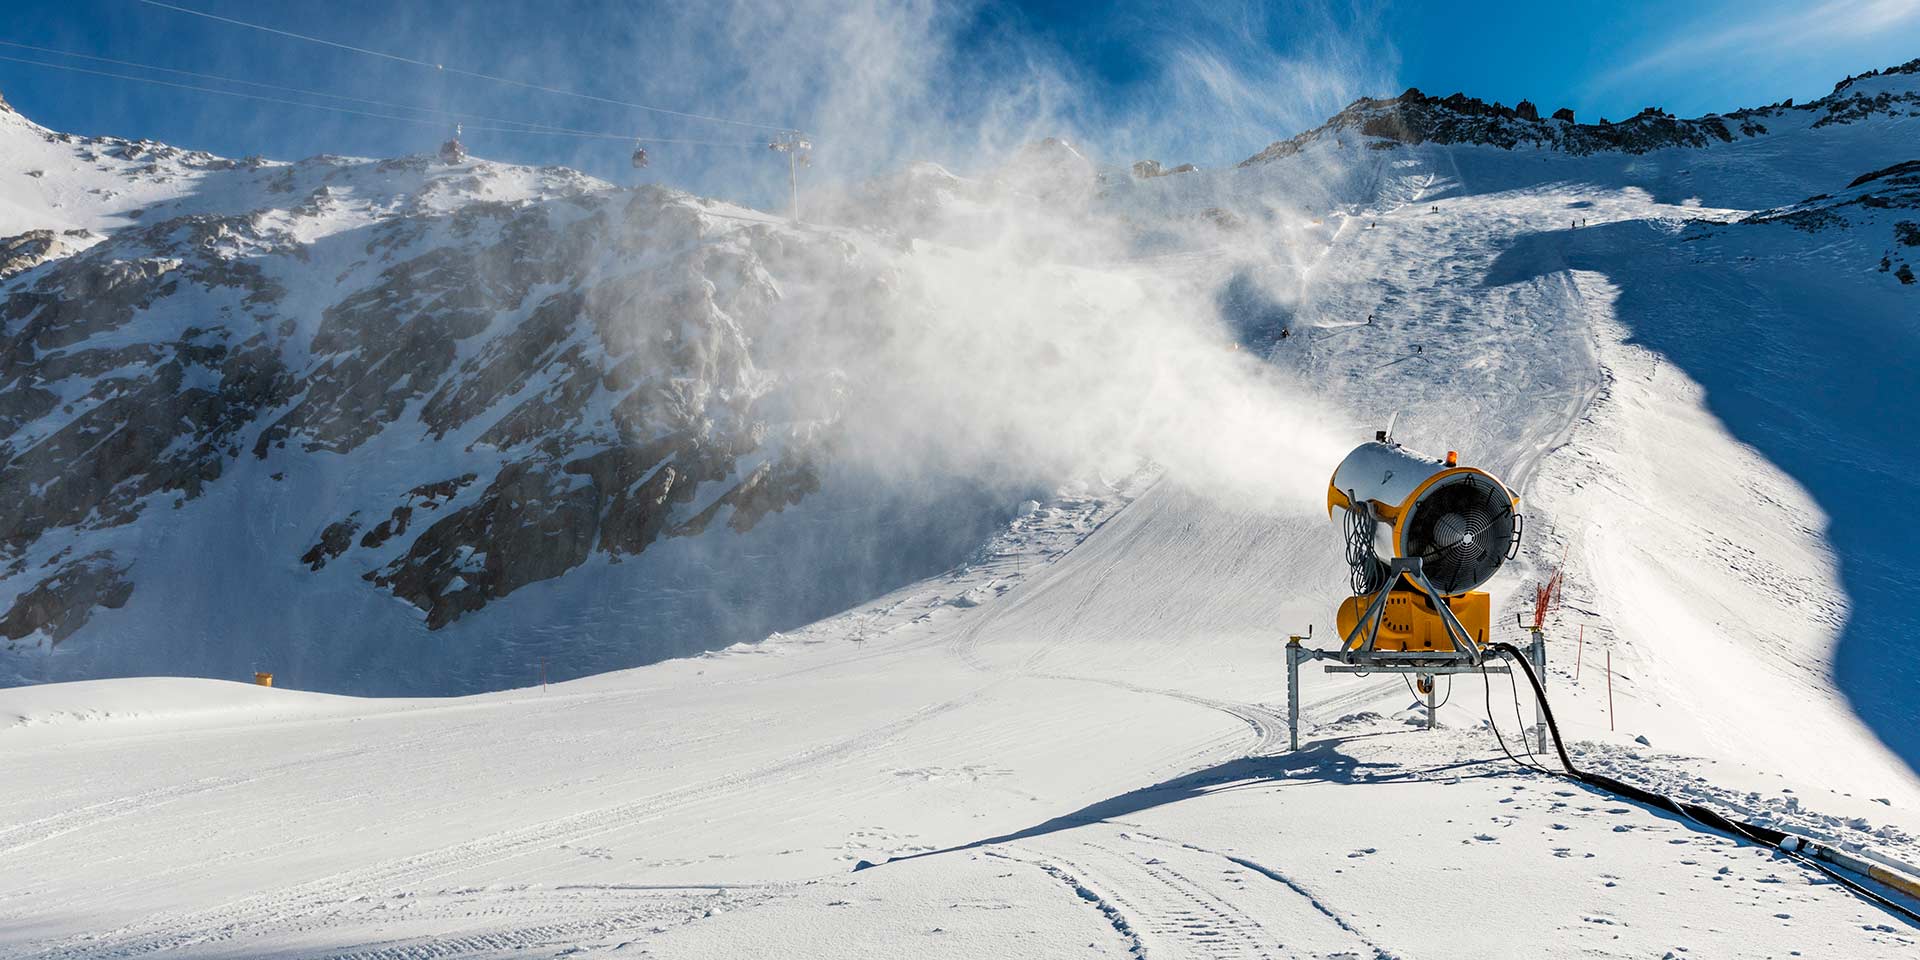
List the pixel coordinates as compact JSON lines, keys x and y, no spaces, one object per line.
{"x":1462,"y":522}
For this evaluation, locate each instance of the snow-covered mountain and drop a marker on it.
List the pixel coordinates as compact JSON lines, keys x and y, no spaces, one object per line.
{"x":328,"y":385}
{"x":557,"y":419}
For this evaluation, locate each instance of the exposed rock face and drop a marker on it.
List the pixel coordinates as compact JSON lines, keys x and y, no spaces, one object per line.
{"x":591,"y":351}
{"x":21,"y":253}
{"x":334,"y":541}
{"x":1414,"y":117}
{"x":1147,"y":169}
{"x":666,"y":397}
{"x":63,"y":602}
{"x":100,"y":420}
{"x":1910,"y":68}
{"x":1893,"y":188}
{"x":1873,"y":206}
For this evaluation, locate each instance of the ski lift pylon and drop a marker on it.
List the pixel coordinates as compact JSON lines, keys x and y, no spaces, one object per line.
{"x":798,"y":149}
{"x":453,"y":151}
{"x":793,"y":143}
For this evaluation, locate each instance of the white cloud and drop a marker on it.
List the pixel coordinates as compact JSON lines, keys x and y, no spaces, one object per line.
{"x":1792,"y":30}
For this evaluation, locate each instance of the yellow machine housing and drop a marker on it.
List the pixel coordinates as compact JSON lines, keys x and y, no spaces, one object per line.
{"x":1411,"y":624}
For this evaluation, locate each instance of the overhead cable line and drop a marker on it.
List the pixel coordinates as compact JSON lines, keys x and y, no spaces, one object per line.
{"x":450,"y":114}
{"x":523,"y":130}
{"x":456,"y":115}
{"x":465,"y":73}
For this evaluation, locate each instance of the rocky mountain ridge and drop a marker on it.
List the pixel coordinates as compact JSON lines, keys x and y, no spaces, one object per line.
{"x":1415,"y":117}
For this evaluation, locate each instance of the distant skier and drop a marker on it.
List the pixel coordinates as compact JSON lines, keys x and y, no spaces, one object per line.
{"x":1286,"y":332}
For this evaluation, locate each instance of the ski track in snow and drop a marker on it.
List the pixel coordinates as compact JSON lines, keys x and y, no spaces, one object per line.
{"x":242,"y":917}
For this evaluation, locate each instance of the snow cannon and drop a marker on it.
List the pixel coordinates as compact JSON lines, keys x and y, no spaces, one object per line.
{"x":1421,"y":534}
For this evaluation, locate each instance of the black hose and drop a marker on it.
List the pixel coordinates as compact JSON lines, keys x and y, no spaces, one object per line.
{"x":1757,"y":833}
{"x":1486,"y":684}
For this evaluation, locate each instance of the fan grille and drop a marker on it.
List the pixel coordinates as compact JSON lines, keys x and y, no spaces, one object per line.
{"x":1461,"y":530}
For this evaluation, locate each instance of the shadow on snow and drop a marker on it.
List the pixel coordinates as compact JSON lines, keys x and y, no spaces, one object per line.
{"x":1317,"y":762}
{"x":1817,"y":376}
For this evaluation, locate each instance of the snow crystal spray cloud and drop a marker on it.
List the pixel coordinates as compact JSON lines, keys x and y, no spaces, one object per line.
{"x":1027,"y":339}
{"x":1031,"y":336}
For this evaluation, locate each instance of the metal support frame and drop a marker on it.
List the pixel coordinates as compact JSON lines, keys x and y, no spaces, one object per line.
{"x":1537,"y":652}
{"x":1410,"y":568}
{"x":1297,"y":655}
{"x":797,"y":147}
{"x":1357,"y":653}
{"x":1294,"y":656}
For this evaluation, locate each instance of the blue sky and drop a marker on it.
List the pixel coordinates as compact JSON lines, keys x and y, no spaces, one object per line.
{"x":879,"y":82}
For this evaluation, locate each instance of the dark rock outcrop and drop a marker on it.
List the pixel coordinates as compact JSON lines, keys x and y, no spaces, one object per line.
{"x":1148,"y":169}
{"x":334,"y":541}
{"x":1864,"y":206}
{"x":23,"y":252}
{"x":65,"y":601}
